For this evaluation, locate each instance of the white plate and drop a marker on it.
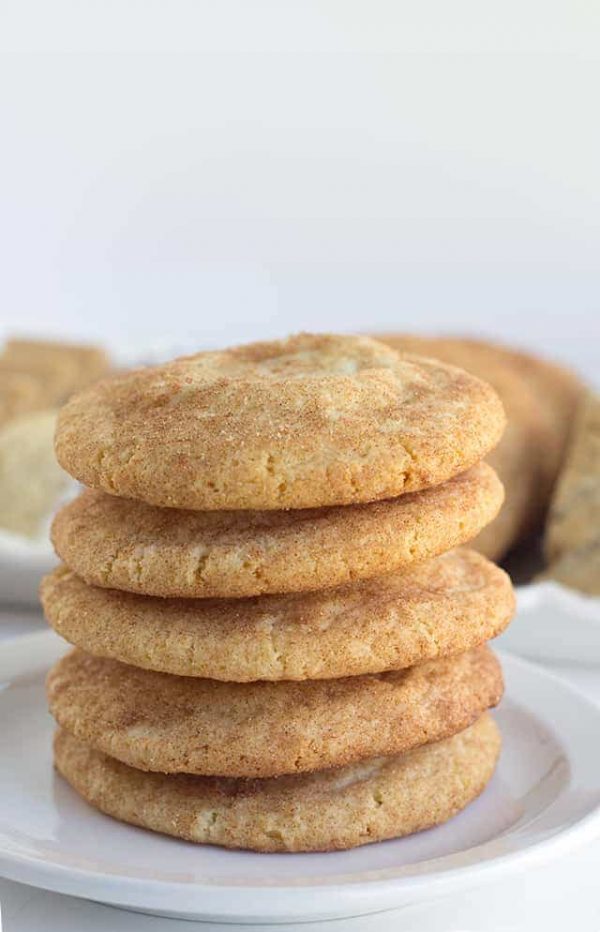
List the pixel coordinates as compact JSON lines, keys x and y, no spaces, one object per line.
{"x":556,"y":624}
{"x":544,"y":799}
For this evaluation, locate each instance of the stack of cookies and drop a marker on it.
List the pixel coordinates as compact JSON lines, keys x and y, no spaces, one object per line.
{"x":278,"y":645}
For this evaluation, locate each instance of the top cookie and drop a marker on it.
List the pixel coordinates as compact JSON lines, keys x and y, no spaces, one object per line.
{"x":299,"y":423}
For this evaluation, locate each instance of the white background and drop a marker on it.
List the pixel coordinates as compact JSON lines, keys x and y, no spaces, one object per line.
{"x":204,"y":172}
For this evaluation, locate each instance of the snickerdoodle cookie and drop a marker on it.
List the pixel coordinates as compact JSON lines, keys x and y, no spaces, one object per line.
{"x":530,"y":445}
{"x":176,"y":724}
{"x":572,"y":541}
{"x":444,"y":606}
{"x":59,"y":368}
{"x":305,"y":422}
{"x":540,"y":399}
{"x":31,"y":481}
{"x":323,"y":811}
{"x":122,"y":544}
{"x":20,"y":394}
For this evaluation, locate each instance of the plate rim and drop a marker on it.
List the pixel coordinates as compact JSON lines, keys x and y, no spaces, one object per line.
{"x":242,"y":901}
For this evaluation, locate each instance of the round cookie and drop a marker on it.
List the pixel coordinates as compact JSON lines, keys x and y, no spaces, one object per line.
{"x":122,"y":544}
{"x":306,"y":422}
{"x":59,"y":368}
{"x":20,"y":394}
{"x":527,"y":457}
{"x":557,"y":388}
{"x":175,"y":724}
{"x":444,"y":606}
{"x":324,"y":811}
{"x":31,"y":481}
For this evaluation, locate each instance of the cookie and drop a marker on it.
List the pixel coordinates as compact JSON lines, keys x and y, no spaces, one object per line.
{"x":31,"y":481}
{"x":174,"y":724}
{"x":323,"y":811}
{"x":121,"y":544}
{"x":60,"y":368}
{"x":577,"y":569}
{"x":444,"y":606}
{"x":572,"y":541}
{"x":528,"y":456}
{"x":559,"y":389}
{"x":20,"y":394}
{"x":306,"y":422}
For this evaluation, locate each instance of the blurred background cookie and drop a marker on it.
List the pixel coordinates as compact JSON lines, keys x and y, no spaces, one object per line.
{"x":540,"y":399}
{"x":36,"y":377}
{"x":60,"y":368}
{"x":20,"y":393}
{"x":31,"y":481}
{"x":572,"y":539}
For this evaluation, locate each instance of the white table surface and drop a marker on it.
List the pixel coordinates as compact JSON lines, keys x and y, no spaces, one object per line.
{"x":564,"y":894}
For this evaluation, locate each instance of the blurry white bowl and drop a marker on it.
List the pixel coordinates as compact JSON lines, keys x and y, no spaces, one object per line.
{"x":23,"y":562}
{"x":554,"y":624}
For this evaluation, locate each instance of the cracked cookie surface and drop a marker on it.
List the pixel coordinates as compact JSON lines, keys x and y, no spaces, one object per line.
{"x":311,"y":421}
